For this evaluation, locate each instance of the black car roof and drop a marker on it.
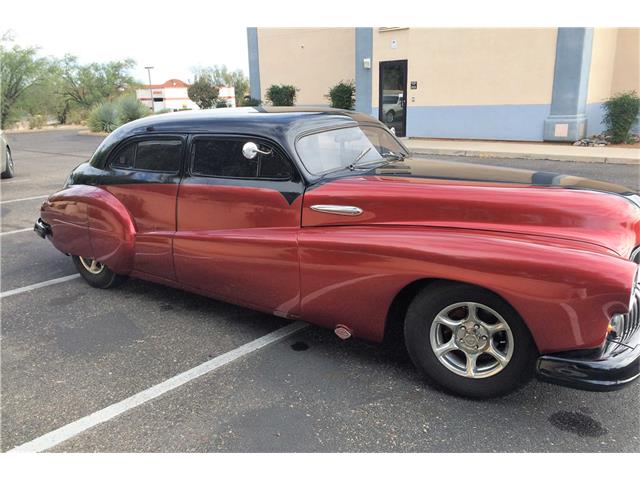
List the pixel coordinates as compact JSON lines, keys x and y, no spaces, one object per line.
{"x":282,"y":125}
{"x":247,"y":119}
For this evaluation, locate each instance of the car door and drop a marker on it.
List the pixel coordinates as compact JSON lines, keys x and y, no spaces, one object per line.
{"x":238,"y":221}
{"x":144,"y":174}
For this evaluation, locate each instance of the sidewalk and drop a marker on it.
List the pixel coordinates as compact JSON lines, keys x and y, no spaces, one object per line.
{"x":542,"y":151}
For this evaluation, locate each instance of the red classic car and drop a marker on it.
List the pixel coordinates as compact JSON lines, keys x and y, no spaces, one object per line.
{"x":493,"y":274}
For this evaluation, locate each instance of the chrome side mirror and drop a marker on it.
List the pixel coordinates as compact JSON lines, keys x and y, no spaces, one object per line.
{"x":250,"y":150}
{"x":393,"y":130}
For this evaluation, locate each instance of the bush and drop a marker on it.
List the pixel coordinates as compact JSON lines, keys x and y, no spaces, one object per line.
{"x":251,"y":102}
{"x":37,"y":121}
{"x":131,"y":109}
{"x":620,"y":113}
{"x":221,"y":104}
{"x":282,"y":95}
{"x":104,"y":118}
{"x":164,"y":110}
{"x":77,"y":116}
{"x":343,"y":95}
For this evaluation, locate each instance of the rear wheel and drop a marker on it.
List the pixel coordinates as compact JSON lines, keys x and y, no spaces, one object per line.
{"x":9,"y":171}
{"x":97,"y":274}
{"x":469,"y":340}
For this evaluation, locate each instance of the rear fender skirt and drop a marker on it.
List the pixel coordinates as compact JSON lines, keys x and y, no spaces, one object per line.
{"x":102,"y":224}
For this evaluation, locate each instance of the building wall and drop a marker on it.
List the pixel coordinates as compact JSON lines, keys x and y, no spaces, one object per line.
{"x":615,"y":67}
{"x":529,"y":84}
{"x":312,"y":59}
{"x":472,"y":83}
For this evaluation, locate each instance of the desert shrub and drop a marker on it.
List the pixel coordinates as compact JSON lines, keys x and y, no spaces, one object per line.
{"x":620,"y":113}
{"x":164,"y":110}
{"x":221,"y":104}
{"x":104,"y":118}
{"x":37,"y":121}
{"x":342,"y":95}
{"x":131,"y":109}
{"x":77,"y":116}
{"x":251,"y":102}
{"x":282,"y":95}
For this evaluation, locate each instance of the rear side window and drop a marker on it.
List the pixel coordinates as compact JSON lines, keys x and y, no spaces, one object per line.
{"x":159,"y":155}
{"x":150,"y":155}
{"x":224,"y":158}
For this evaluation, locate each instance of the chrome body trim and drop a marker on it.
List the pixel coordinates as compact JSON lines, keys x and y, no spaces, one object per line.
{"x":338,"y":209}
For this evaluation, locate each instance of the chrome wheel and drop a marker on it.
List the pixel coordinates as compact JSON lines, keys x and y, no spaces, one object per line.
{"x":471,"y":340}
{"x":91,"y":265}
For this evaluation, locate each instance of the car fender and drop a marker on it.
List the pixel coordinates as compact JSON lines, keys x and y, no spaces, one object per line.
{"x":564,"y":294}
{"x":89,"y":221}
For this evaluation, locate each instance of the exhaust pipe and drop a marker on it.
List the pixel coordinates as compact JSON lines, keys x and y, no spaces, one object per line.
{"x":343,"y":332}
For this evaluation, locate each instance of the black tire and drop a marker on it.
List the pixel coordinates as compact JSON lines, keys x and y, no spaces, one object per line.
{"x":10,"y":170}
{"x":390,"y":116}
{"x":440,"y":296}
{"x":104,"y":278}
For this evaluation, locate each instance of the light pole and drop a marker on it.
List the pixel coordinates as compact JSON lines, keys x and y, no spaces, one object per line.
{"x":153,"y":106}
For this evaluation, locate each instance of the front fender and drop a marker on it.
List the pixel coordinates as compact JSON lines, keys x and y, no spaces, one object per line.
{"x":565,"y":294}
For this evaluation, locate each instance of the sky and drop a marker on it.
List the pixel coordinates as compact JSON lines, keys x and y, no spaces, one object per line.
{"x":173,"y":37}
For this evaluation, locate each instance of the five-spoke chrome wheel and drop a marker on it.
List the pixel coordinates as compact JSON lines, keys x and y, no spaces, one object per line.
{"x":91,"y":265}
{"x":471,"y":340}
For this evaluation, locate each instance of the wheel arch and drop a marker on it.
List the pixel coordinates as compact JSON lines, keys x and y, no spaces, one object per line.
{"x":394,"y":321}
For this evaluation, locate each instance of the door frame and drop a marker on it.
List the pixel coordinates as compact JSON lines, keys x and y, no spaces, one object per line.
{"x":405,"y":65}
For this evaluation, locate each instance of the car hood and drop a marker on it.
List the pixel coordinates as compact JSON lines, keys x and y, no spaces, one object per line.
{"x":425,"y":192}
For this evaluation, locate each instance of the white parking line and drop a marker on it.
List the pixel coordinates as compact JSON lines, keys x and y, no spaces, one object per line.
{"x":35,"y":286}
{"x":51,"y":439}
{"x":30,"y":229}
{"x":23,"y":199}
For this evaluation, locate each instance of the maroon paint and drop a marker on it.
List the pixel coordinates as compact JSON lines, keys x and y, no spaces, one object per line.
{"x":558,"y":256}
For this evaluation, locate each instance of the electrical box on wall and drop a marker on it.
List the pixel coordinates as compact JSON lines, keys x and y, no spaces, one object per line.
{"x":394,"y":43}
{"x":366,"y":63}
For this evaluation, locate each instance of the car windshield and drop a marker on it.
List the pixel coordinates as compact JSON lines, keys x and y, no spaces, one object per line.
{"x":332,"y":150}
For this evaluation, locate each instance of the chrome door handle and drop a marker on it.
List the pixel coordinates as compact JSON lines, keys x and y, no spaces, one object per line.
{"x":338,"y":209}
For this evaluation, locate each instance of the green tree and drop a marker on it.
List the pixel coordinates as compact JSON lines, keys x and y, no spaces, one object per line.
{"x":220,"y":75}
{"x":21,"y":70}
{"x":203,"y":92}
{"x":93,"y":83}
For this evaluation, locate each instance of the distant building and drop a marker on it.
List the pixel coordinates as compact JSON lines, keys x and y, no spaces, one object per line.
{"x":228,"y":95}
{"x":530,"y":84}
{"x":171,"y":95}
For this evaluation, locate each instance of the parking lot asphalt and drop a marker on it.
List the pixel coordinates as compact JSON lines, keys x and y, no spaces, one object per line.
{"x":69,"y":350}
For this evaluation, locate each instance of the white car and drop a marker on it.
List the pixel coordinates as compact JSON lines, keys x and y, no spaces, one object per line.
{"x":392,"y":106}
{"x":8,"y":169}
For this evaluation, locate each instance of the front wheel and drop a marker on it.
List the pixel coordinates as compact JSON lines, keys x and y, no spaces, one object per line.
{"x":97,"y":274}
{"x":469,"y":341}
{"x":390,"y":116}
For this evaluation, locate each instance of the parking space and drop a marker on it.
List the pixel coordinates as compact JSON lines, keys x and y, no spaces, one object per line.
{"x":69,"y":350}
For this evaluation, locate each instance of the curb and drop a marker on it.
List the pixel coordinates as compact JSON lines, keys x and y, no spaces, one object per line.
{"x":15,"y":131}
{"x":89,"y":133}
{"x":526,"y":156}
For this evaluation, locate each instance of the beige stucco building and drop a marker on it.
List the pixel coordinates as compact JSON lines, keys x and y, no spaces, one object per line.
{"x":482,"y":83}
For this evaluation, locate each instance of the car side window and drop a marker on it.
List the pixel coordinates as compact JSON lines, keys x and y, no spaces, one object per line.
{"x":124,"y":157}
{"x":150,"y":155}
{"x":224,"y":158}
{"x":158,"y":155}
